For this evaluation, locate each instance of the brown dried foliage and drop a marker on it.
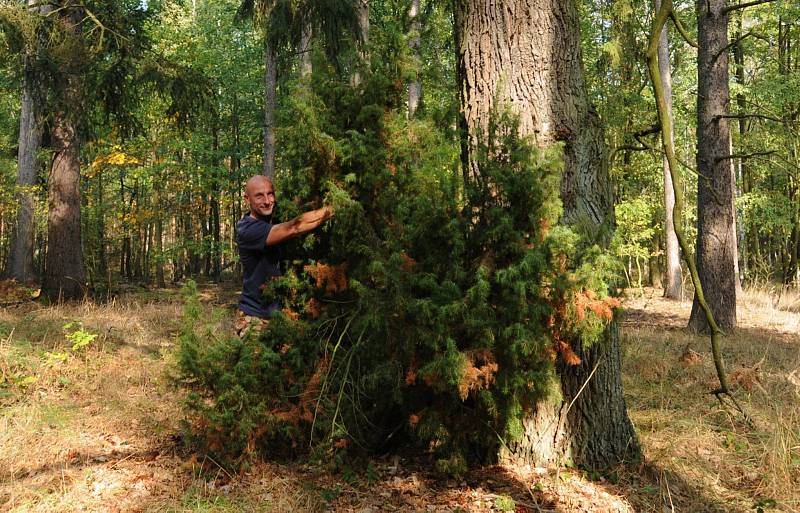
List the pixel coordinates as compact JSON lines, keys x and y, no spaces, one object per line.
{"x":304,"y":409}
{"x":555,"y":323}
{"x":313,"y":308}
{"x":13,"y":292}
{"x":602,"y":308}
{"x":411,"y":374}
{"x":408,"y":263}
{"x":479,"y":372}
{"x":331,"y":278}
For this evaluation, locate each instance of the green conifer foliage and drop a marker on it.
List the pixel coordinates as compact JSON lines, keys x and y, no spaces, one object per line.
{"x":427,"y":311}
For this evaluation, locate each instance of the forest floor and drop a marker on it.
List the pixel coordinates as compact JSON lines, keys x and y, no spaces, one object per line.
{"x":97,"y":428}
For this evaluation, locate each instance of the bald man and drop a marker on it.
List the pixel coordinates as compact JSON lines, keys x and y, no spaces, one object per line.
{"x":259,"y":239}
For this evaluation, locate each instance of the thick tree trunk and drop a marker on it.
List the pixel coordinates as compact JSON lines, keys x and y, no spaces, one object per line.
{"x":64,"y":273}
{"x":415,"y":86}
{"x":526,"y":53}
{"x":715,"y":237}
{"x":270,"y":86}
{"x":20,"y":263}
{"x":673,"y":278}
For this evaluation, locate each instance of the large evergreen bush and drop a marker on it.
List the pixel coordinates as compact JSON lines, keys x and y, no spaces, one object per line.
{"x":429,"y":310}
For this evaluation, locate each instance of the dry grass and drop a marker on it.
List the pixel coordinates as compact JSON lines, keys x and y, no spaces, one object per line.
{"x":684,"y":430}
{"x":96,"y":430}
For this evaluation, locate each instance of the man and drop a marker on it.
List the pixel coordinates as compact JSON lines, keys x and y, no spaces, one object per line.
{"x":258,"y":240}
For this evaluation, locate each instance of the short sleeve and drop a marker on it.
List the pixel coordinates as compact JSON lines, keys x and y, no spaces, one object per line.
{"x":253,"y":236}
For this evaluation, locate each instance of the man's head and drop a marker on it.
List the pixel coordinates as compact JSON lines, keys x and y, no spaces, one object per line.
{"x":260,"y":195}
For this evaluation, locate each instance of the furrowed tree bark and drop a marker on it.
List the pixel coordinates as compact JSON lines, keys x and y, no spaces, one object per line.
{"x":20,"y":263}
{"x":526,"y":54}
{"x":64,"y":273}
{"x":715,"y":236}
{"x":673,"y":276}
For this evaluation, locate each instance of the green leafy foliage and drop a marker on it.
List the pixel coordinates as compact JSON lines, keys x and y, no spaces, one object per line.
{"x":77,"y":336}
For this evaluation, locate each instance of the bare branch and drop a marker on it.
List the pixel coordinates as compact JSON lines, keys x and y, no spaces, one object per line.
{"x":682,"y":30}
{"x":749,"y":116}
{"x":745,"y":156}
{"x":732,"y":8}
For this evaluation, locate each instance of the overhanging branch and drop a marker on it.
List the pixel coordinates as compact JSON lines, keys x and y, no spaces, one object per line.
{"x":745,"y":5}
{"x":745,"y":156}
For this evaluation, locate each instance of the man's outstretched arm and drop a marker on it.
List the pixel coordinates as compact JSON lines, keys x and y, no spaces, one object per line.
{"x":300,"y":225}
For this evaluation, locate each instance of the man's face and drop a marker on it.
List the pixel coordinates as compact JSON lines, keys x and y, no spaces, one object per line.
{"x":261,"y":196}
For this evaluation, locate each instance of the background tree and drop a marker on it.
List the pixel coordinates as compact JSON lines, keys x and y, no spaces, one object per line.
{"x":716,"y":240}
{"x":20,"y":263}
{"x":415,"y":85}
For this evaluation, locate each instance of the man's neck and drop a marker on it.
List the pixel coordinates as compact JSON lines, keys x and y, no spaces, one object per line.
{"x":256,"y":215}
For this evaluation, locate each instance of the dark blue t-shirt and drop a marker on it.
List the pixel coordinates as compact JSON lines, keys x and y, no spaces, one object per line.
{"x":260,"y":264}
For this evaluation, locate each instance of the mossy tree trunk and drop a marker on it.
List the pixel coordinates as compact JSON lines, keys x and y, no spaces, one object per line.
{"x":20,"y":259}
{"x":526,"y":53}
{"x":20,"y":262}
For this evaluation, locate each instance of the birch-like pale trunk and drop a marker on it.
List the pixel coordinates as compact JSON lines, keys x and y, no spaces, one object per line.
{"x":415,"y":86}
{"x":305,"y":50}
{"x":673,"y":276}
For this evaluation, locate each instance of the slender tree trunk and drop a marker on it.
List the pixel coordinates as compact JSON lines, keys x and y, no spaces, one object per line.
{"x":362,"y":11}
{"x":673,"y":276}
{"x":305,"y":50}
{"x":656,"y":273}
{"x":101,"y":227}
{"x":715,"y":237}
{"x":741,"y":104}
{"x":216,"y":263}
{"x":270,"y":86}
{"x":526,"y":53}
{"x":236,"y":168}
{"x":415,"y":86}
{"x":20,"y":263}
{"x":734,"y":229}
{"x":64,"y":273}
{"x":159,"y":241}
